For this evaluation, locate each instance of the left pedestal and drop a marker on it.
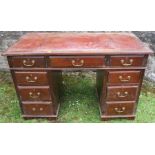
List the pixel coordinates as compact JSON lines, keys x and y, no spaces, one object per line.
{"x":37,"y":88}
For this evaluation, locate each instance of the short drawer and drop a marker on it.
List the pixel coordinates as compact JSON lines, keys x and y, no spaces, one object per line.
{"x":42,"y":108}
{"x":122,"y":93}
{"x":119,"y":77}
{"x":31,"y":78}
{"x":27,"y":62}
{"x":127,"y":61}
{"x":34,"y":93}
{"x":79,"y":62}
{"x":125,"y":108}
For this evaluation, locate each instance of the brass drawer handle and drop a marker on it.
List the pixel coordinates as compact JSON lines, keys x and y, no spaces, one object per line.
{"x":41,"y":109}
{"x":124,"y":80}
{"x":120,"y":110}
{"x":30,"y":80}
{"x":33,"y":109}
{"x":28,"y":63}
{"x":119,"y":94}
{"x":81,"y":63}
{"x":126,"y":64}
{"x":34,"y":96}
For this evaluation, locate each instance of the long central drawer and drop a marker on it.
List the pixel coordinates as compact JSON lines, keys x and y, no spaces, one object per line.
{"x":76,"y":61}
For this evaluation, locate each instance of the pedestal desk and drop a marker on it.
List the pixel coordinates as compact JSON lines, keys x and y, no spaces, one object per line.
{"x":37,"y":60}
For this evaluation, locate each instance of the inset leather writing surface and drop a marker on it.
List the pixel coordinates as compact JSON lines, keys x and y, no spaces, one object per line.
{"x":78,"y":43}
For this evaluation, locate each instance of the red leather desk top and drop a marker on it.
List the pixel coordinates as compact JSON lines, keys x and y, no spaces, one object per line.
{"x":78,"y":44}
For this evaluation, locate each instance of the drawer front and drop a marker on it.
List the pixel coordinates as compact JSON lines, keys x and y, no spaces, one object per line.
{"x":28,"y":62}
{"x":79,"y":62}
{"x":120,"y":77}
{"x":34,"y":93}
{"x":127,"y":61}
{"x":122,"y":93}
{"x":37,"y":109}
{"x":119,"y":108}
{"x":31,"y":78}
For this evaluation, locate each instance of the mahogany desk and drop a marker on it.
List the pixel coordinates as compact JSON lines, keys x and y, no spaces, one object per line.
{"x":37,"y":60}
